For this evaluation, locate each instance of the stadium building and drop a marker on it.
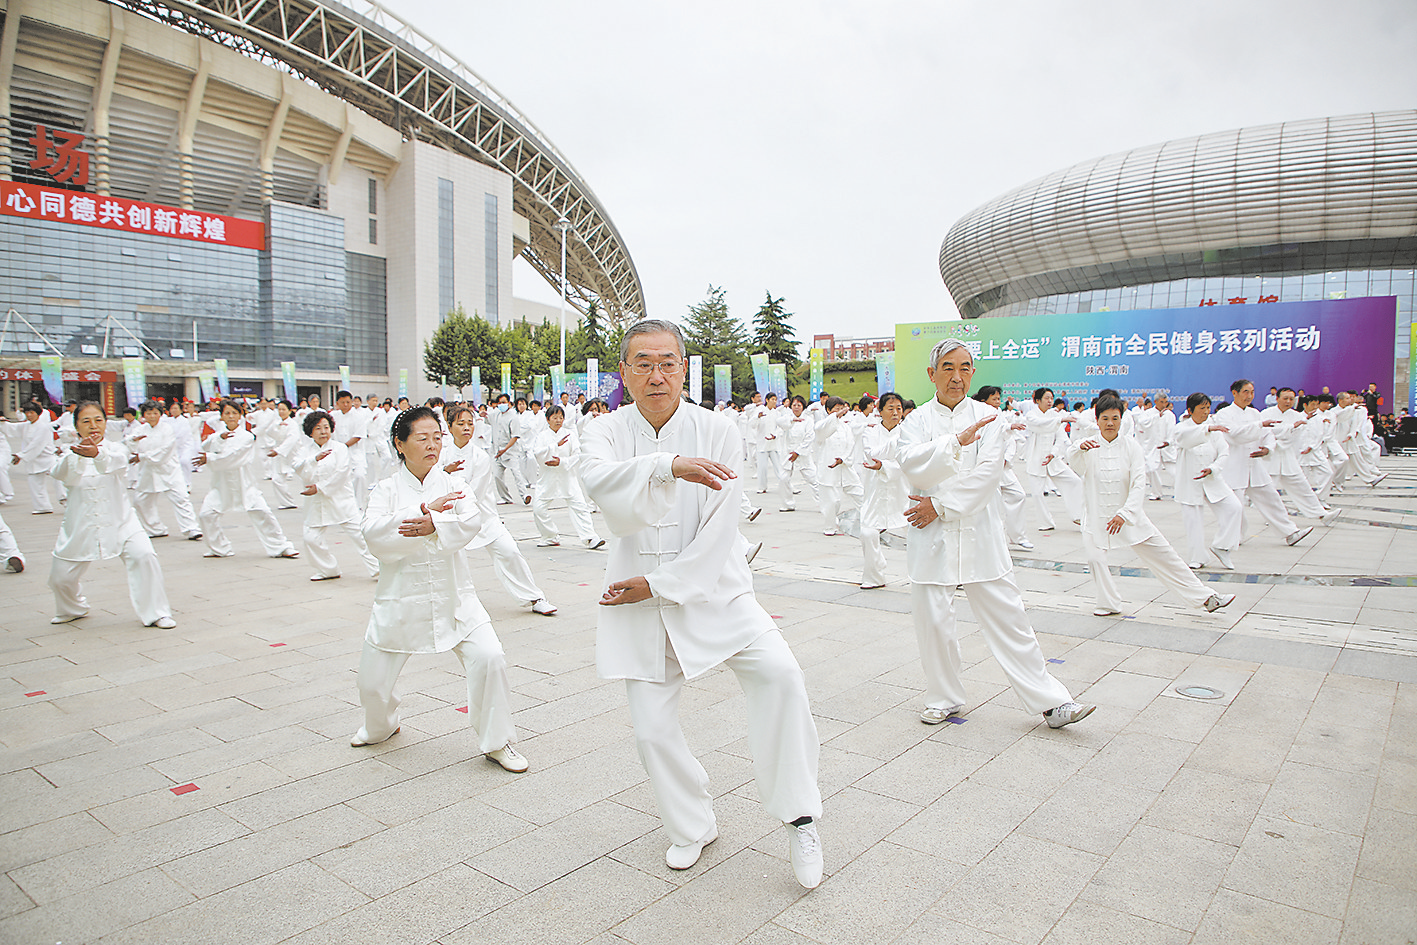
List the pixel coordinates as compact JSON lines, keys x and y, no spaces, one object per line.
{"x":191,"y":180}
{"x":1305,"y":210}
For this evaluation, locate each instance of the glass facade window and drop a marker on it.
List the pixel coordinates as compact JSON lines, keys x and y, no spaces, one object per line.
{"x":446,"y":297}
{"x":373,"y":196}
{"x":373,"y":232}
{"x":489,"y":259}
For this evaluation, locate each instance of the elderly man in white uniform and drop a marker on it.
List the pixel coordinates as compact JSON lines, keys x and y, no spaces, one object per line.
{"x":679,"y":601}
{"x":1283,"y":460}
{"x":1047,"y":469}
{"x":1249,"y":440}
{"x":35,"y":457}
{"x":1201,"y":450}
{"x":955,"y":472}
{"x":353,"y":428}
{"x":507,"y":453}
{"x":154,"y":441}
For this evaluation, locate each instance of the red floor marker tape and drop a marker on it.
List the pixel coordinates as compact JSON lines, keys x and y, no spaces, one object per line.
{"x":277,"y":644}
{"x":185,"y":789}
{"x":37,"y":692}
{"x":463,"y":709}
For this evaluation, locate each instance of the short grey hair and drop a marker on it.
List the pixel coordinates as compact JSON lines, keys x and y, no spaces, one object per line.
{"x":651,"y":326}
{"x":944,"y":347}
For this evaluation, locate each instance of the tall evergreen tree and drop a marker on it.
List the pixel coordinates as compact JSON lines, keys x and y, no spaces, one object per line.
{"x":448,"y":354}
{"x":773,"y":334}
{"x":710,"y":331}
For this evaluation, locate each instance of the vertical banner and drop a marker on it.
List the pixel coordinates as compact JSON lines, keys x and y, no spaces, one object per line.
{"x":443,"y":387}
{"x":476,"y":386}
{"x":51,"y":369}
{"x":814,"y":364}
{"x":777,"y":380}
{"x":223,"y":382}
{"x":206,"y":380}
{"x":344,"y":377}
{"x":760,"y":372}
{"x":592,"y":378}
{"x":722,"y":383}
{"x":696,"y":377}
{"x":403,"y":382}
{"x":135,"y":382}
{"x":507,"y":379}
{"x":539,"y":388}
{"x":558,"y":381}
{"x":287,"y":379}
{"x":885,"y":371}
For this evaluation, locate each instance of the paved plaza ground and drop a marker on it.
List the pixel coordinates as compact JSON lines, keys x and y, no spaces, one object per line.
{"x":197,"y":785}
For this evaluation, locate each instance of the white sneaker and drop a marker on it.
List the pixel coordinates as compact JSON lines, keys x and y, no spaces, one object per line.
{"x":933,"y":716}
{"x":509,"y":758}
{"x":681,"y":857}
{"x":360,"y":739}
{"x":1223,"y":556}
{"x":805,"y":848}
{"x":68,"y":618}
{"x":1299,"y":535}
{"x":1378,"y":480}
{"x":1025,"y":544}
{"x":15,"y":563}
{"x":1330,"y":516}
{"x":1215,"y":602}
{"x":164,"y":623}
{"x":1196,"y":565}
{"x":548,"y":543}
{"x":1067,"y":714}
{"x":753,"y":551}
{"x":543,"y":607}
{"x":595,"y":544}
{"x":753,"y":515}
{"x":1105,"y":612}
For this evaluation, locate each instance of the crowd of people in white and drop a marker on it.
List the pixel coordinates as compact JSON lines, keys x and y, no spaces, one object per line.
{"x":413,"y":488}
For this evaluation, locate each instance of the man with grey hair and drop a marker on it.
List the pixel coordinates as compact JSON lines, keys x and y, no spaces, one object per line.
{"x":952,"y":454}
{"x":679,"y":601}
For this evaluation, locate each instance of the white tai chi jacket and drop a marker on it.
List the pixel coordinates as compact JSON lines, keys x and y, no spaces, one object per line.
{"x":559,"y":481}
{"x":476,"y":477}
{"x":98,"y":518}
{"x":425,"y":601}
{"x":1197,"y":449}
{"x":885,"y":499}
{"x":333,"y":502}
{"x":1247,"y":434}
{"x":966,"y":544}
{"x":1113,"y":483}
{"x":160,"y":463}
{"x":1283,"y":458}
{"x":681,"y":536}
{"x":36,"y":449}
{"x":1045,"y":437}
{"x":231,"y":462}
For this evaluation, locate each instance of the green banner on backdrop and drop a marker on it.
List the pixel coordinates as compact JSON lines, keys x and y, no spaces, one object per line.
{"x":759,"y":363}
{"x":135,"y":382}
{"x":344,"y":377}
{"x":538,"y":388}
{"x":722,"y":383}
{"x":51,"y":370}
{"x":507,"y":378}
{"x":403,"y":382}
{"x":814,"y":364}
{"x":885,"y":371}
{"x":476,"y":386}
{"x":777,"y":380}
{"x":287,"y":377}
{"x":223,"y":382}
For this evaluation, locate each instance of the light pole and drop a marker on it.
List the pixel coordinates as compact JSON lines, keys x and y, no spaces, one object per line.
{"x":563,"y":225}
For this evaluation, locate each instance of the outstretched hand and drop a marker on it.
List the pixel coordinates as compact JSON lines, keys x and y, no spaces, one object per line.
{"x":630,"y":591}
{"x":441,"y":503}
{"x":922,"y":513}
{"x":705,"y":472}
{"x":971,"y":433}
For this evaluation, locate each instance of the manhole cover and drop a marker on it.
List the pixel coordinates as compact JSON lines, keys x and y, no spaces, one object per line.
{"x":1199,"y":692}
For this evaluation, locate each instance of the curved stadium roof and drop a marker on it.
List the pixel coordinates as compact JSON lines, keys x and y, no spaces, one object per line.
{"x":384,"y":66}
{"x":1304,"y":195}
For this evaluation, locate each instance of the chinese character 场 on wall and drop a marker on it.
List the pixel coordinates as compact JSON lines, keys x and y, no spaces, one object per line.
{"x":61,"y":158}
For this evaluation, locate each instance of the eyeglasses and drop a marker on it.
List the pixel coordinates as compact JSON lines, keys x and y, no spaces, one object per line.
{"x":665,"y":368}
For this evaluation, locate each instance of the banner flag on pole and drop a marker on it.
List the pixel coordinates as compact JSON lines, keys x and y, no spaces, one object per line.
{"x":135,"y":382}
{"x":206,"y":380}
{"x":696,"y":377}
{"x":403,"y":382}
{"x":539,"y":388}
{"x":287,"y":379}
{"x":344,"y":377}
{"x":476,"y":386}
{"x":558,"y":381}
{"x":51,"y":369}
{"x":760,"y":372}
{"x":885,"y":371}
{"x":507,"y":379}
{"x":223,"y":381}
{"x":592,"y":378}
{"x":722,"y":383}
{"x":777,"y":380}
{"x":814,"y":363}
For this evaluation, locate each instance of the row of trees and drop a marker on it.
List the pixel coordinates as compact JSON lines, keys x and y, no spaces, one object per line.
{"x":465,"y":341}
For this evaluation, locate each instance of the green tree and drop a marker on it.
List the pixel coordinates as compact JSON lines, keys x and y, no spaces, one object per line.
{"x":588,"y":341}
{"x":719,"y":338}
{"x":773,"y":334}
{"x":448,"y":354}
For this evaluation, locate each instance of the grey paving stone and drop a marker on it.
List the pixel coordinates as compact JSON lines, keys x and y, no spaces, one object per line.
{"x":547,"y":853}
{"x":1379,"y":914}
{"x":1161,"y":875}
{"x":1208,"y":805}
{"x":1236,"y":917}
{"x":967,"y":823}
{"x":1296,"y":865}
{"x":1389,"y":854}
{"x":94,"y":913}
{"x":1086,"y":923}
{"x":1320,"y":797}
{"x":1088,"y":814}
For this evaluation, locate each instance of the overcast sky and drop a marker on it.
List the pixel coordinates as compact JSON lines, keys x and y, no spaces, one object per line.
{"x":821,"y":150}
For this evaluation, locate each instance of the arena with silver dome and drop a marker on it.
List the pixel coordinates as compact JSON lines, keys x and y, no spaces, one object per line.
{"x":298,"y":180}
{"x":1316,"y":209}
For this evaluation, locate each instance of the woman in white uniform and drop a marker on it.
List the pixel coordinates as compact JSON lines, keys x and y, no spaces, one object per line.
{"x":556,"y":450}
{"x":800,"y":442}
{"x":1114,"y":478}
{"x":418,"y":522}
{"x":154,"y":441}
{"x":34,"y":457}
{"x":99,"y":523}
{"x":841,"y":489}
{"x":883,"y":487}
{"x":230,"y":455}
{"x":323,"y":467}
{"x":285,"y":444}
{"x":1047,"y":442}
{"x":1200,"y":456}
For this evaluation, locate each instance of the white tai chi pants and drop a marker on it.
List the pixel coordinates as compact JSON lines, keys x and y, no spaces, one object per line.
{"x":39,"y":492}
{"x":1266,"y":500}
{"x":998,"y":607}
{"x":808,"y":469}
{"x":839,"y":500}
{"x":580,"y":518}
{"x":7,"y":491}
{"x":145,"y":586}
{"x":359,"y":474}
{"x":8,"y":547}
{"x":489,"y":702}
{"x":1227,"y":526}
{"x":283,"y":485}
{"x":746,"y":507}
{"x":1297,"y":488}
{"x":317,"y":546}
{"x":1158,"y":555}
{"x":873,"y":570}
{"x":273,"y":540}
{"x":512,"y":569}
{"x":1319,"y":477}
{"x":510,"y":461}
{"x":1153,"y":483}
{"x":145,"y":503}
{"x":1069,"y":484}
{"x":782,"y":738}
{"x":769,"y":469}
{"x":1015,"y":499}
